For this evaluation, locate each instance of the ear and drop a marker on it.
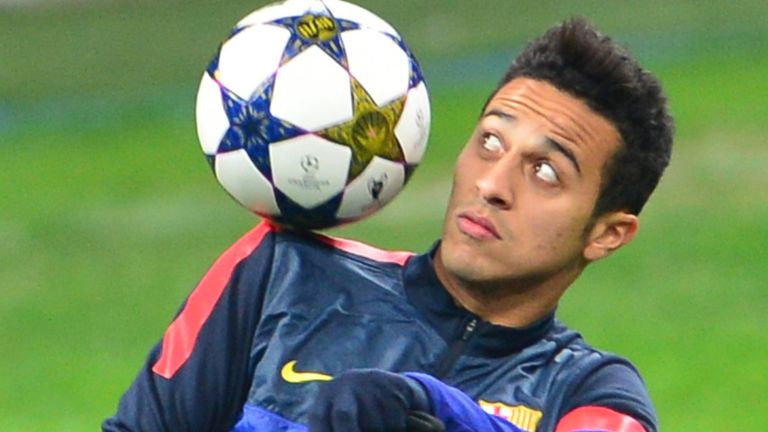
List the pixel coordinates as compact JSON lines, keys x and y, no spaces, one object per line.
{"x":610,"y":232}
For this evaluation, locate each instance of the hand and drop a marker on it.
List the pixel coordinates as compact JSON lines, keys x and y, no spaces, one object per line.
{"x":372,"y":400}
{"x":420,"y":421}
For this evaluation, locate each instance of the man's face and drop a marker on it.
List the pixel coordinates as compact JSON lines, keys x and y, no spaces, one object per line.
{"x":524,"y":188}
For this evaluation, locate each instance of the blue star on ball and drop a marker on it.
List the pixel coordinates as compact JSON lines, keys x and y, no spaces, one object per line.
{"x":253,"y":127}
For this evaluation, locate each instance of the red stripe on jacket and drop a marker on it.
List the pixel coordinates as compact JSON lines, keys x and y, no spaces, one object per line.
{"x":598,"y":419}
{"x":367,"y":251}
{"x":181,"y":336}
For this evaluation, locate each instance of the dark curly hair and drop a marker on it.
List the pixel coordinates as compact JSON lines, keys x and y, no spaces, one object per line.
{"x":576,"y":58}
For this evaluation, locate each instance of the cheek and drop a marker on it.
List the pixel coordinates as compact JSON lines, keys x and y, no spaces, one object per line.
{"x":462,"y":180}
{"x":557,"y":231}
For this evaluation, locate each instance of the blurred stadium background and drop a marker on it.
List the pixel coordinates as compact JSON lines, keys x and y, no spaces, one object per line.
{"x":109,"y":215}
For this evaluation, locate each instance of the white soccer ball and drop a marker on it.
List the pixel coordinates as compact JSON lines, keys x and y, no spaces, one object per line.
{"x":313,"y":113}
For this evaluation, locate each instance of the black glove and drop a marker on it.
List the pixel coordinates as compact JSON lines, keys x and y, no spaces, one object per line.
{"x":372,"y":400}
{"x":420,"y":421}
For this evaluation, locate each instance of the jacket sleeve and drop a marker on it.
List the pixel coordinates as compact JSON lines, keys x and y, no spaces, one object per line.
{"x":618,"y":387}
{"x":458,"y":411}
{"x":198,"y":376}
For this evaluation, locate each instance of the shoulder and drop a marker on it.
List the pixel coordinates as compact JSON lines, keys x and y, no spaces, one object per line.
{"x":597,"y":378}
{"x":319,"y":256}
{"x":274,"y":240}
{"x":309,"y":262}
{"x":324,"y":245}
{"x":616,"y":385}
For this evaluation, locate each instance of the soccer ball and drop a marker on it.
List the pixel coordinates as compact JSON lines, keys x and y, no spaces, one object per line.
{"x":313,"y":113}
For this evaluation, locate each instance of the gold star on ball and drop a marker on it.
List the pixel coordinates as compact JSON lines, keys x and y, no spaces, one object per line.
{"x":370,"y":132}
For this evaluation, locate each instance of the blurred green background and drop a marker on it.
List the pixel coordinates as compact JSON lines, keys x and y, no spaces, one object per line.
{"x":109,"y":214}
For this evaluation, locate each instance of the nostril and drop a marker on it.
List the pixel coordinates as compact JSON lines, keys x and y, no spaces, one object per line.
{"x":491,"y":195}
{"x":495,"y":201}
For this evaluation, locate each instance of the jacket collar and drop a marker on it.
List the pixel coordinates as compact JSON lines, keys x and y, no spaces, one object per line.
{"x":449,"y":320}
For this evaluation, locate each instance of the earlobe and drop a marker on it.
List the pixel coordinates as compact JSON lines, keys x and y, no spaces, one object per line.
{"x":611,"y":231}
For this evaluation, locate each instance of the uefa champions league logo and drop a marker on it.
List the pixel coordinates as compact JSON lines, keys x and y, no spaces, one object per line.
{"x":310,"y":164}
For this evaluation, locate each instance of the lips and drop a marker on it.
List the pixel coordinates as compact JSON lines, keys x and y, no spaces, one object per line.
{"x":477,"y":227}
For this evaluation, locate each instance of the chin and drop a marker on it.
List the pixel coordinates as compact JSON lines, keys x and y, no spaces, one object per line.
{"x":465,"y":265}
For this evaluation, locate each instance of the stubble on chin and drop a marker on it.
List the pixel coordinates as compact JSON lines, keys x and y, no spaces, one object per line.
{"x":464,"y":262}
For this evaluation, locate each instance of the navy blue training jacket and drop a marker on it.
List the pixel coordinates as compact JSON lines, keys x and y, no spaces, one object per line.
{"x":279,"y":313}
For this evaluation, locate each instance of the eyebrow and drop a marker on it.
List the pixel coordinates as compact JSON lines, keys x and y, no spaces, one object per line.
{"x":564,"y":150}
{"x":550,"y":144}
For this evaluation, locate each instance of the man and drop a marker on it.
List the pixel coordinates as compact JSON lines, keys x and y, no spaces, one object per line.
{"x":290,"y":330}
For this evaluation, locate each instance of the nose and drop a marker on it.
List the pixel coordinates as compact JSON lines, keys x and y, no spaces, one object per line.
{"x":495,"y":184}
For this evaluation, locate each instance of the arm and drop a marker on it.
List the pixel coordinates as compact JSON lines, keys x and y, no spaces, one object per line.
{"x":373,"y":400}
{"x":613,"y":398}
{"x":458,"y":411}
{"x":198,"y":376}
{"x":598,"y":418}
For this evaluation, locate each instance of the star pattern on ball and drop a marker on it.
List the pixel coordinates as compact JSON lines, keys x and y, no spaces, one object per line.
{"x":252,"y":127}
{"x":316,"y":27}
{"x":414,"y":76}
{"x":370,"y":132}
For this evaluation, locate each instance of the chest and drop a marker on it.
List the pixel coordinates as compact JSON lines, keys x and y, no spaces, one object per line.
{"x":300,"y":345}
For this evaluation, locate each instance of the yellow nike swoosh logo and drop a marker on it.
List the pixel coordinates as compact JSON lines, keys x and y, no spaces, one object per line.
{"x":290,"y":375}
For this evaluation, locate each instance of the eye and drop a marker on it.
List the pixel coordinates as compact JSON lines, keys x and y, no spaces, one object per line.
{"x":492,"y":143}
{"x":545,"y":172}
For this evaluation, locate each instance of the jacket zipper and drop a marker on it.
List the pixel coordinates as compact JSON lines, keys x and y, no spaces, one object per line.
{"x":455,"y":349}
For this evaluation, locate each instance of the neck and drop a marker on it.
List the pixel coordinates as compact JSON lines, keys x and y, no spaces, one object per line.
{"x":511,"y":303}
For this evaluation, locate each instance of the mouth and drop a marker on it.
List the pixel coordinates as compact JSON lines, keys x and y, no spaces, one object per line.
{"x":477,"y":227}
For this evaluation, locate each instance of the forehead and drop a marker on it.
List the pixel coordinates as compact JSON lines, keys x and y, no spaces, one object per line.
{"x":558,"y":115}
